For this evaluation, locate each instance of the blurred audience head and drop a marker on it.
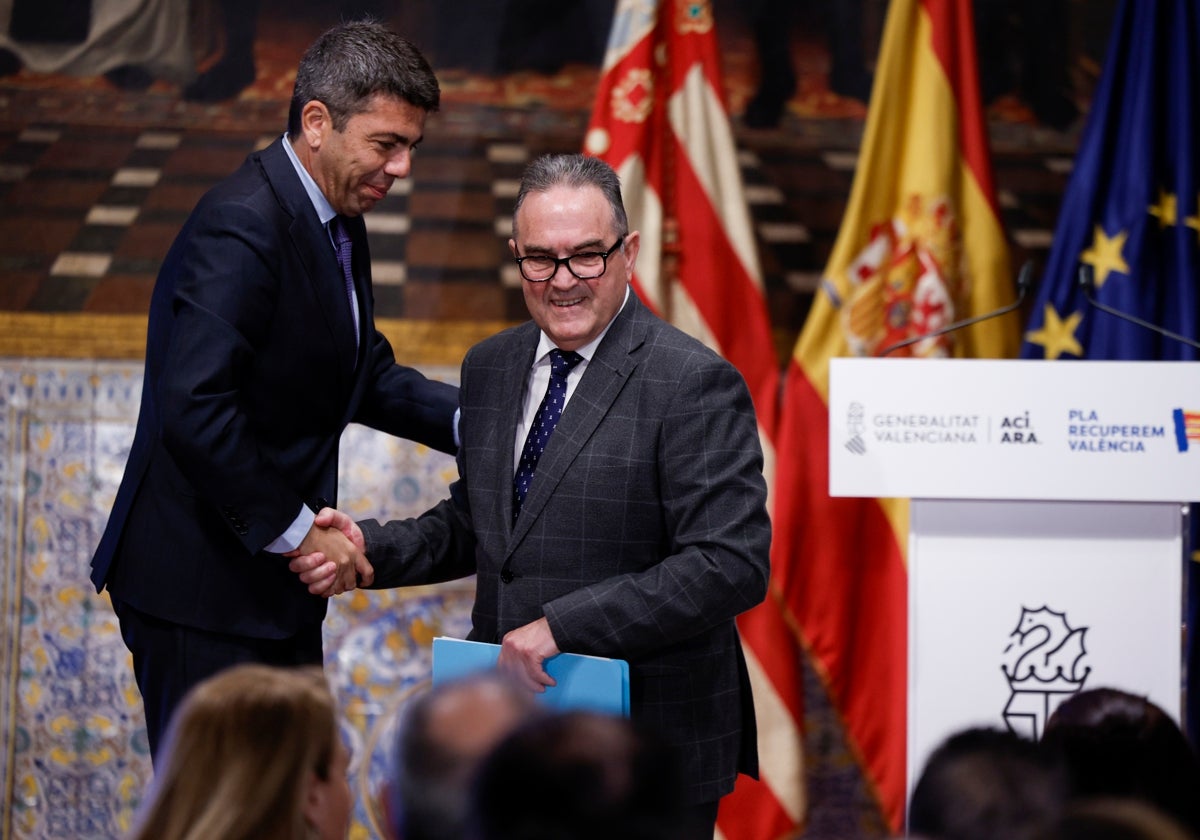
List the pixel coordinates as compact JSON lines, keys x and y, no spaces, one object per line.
{"x":578,"y":776}
{"x":442,"y":736}
{"x":1113,"y":819}
{"x":252,"y":753}
{"x":1114,"y":743}
{"x":985,"y":784}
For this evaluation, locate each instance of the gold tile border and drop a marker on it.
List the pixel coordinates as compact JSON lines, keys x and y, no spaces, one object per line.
{"x":96,"y":336}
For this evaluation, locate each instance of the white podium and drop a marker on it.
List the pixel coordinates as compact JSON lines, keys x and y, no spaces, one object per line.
{"x":1046,"y":536}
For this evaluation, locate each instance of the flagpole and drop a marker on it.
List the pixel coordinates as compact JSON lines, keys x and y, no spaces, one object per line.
{"x":670,"y":225}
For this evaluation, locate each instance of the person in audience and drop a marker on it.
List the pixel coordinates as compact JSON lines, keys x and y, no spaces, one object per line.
{"x":442,"y":737}
{"x":985,"y":784}
{"x":1114,"y":743}
{"x":579,"y":775}
{"x":253,"y":753}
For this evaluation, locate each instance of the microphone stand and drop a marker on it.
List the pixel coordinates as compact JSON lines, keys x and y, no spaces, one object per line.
{"x":1087,"y":283}
{"x":1024,"y":283}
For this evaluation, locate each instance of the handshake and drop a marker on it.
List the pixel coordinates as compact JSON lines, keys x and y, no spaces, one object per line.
{"x":330,"y":559}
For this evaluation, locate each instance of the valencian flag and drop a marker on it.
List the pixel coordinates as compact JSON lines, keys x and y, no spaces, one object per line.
{"x":661,"y":121}
{"x":920,"y":246}
{"x":1131,"y":214}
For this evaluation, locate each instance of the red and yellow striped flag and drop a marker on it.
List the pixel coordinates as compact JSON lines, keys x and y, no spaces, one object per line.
{"x":660,"y":120}
{"x":920,"y":245}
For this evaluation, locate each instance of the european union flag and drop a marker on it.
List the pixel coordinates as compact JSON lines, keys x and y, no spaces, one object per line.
{"x":1132,"y":213}
{"x":1131,"y":206}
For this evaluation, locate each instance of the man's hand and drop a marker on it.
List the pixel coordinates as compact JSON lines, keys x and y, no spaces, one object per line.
{"x":330,"y":560}
{"x":329,"y":518}
{"x":522,"y":652}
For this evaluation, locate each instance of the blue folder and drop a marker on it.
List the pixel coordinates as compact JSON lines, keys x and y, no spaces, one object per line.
{"x":594,"y":683}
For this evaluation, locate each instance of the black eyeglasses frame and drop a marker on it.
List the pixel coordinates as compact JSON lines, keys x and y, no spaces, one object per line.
{"x":603,"y":255}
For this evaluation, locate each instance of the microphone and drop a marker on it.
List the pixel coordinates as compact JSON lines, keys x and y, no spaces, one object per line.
{"x":1087,"y":283}
{"x":1024,"y":284}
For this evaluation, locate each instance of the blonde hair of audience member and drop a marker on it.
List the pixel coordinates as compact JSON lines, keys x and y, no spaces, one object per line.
{"x":253,"y":753}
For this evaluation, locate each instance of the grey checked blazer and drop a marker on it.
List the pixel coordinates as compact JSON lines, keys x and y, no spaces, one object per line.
{"x":643,"y":535}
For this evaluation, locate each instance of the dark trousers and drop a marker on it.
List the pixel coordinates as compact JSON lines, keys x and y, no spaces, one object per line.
{"x":169,"y":659}
{"x":700,"y":822}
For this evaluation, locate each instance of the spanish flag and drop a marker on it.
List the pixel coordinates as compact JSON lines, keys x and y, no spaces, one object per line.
{"x":920,"y":246}
{"x":660,"y":119}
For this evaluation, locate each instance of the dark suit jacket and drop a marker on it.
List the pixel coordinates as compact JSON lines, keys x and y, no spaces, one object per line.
{"x":644,"y":532}
{"x":251,"y":376}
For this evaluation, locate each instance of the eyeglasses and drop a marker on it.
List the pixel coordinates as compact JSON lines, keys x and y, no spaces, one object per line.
{"x":538,"y":268}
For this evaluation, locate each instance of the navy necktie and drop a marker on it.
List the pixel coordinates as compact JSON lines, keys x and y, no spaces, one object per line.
{"x":561,"y":362}
{"x":341,"y":240}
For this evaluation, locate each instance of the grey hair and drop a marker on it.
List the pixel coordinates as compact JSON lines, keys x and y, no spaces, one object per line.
{"x":352,"y":63}
{"x":430,"y":777}
{"x":573,"y":170}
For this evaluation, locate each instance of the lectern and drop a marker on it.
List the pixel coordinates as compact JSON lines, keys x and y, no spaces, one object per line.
{"x":1047,"y":533}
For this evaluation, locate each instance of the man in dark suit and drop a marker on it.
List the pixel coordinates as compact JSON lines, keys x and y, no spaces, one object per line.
{"x":643,"y":532}
{"x":261,"y":349}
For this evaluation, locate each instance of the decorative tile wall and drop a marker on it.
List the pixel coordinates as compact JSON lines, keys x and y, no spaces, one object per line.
{"x":75,"y":762}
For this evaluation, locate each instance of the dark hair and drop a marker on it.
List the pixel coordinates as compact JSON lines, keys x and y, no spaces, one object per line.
{"x":1113,"y":819}
{"x":352,"y":63}
{"x":573,"y":170}
{"x":1114,"y":743}
{"x":985,"y":783}
{"x":579,"y":776}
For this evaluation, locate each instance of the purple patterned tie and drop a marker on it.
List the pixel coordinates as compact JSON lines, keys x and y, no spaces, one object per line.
{"x":341,"y":240}
{"x":561,"y":362}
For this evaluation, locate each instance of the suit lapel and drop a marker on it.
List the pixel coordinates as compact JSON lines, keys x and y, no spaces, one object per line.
{"x":316,"y":255}
{"x":362,"y":280}
{"x":359,"y":360}
{"x":606,"y":374}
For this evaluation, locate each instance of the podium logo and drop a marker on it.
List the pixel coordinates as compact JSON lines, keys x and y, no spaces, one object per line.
{"x":856,"y":424}
{"x":1187,"y":427}
{"x":1043,"y":664}
{"x":1017,"y":429}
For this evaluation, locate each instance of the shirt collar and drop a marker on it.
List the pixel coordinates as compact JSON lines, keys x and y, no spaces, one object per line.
{"x":320,"y":203}
{"x":545,"y":345}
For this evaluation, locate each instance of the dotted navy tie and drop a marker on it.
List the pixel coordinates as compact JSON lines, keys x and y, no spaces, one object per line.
{"x":341,"y":240}
{"x":561,"y":362}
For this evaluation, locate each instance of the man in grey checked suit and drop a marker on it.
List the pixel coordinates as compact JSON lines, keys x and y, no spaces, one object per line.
{"x":644,"y":532}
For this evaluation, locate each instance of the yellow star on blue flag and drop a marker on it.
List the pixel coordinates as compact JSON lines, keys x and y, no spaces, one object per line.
{"x":1057,"y":336}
